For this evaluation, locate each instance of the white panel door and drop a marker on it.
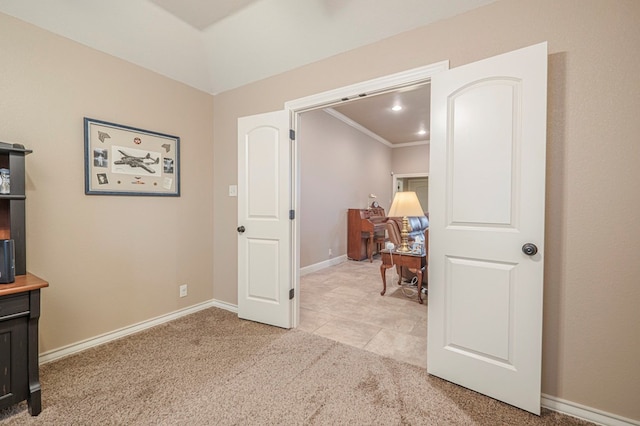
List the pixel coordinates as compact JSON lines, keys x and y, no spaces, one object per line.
{"x":486,"y":201}
{"x":264,"y":227}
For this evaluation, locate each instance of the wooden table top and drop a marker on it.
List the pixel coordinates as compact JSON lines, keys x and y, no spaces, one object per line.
{"x":23,"y":283}
{"x":398,"y":253}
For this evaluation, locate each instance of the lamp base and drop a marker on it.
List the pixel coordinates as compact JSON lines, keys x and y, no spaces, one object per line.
{"x":403,"y":249}
{"x":404,"y":237}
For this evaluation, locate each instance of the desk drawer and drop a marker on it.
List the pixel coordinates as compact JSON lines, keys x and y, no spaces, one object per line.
{"x":15,"y":304}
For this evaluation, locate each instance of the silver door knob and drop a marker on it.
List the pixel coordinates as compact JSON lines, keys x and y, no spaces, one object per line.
{"x":529,"y":249}
{"x":241,"y":229}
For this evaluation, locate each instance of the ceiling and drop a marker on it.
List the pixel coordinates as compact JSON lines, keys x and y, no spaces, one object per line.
{"x":202,"y":13}
{"x":393,"y":128}
{"x":219,"y":45}
{"x":372,"y":113}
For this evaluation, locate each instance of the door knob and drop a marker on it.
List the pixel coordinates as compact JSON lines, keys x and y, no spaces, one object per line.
{"x":241,"y":229}
{"x":529,"y":249}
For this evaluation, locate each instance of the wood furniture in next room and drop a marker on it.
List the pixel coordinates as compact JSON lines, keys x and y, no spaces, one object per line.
{"x":419,"y":228}
{"x":19,"y":314}
{"x":365,"y":227}
{"x":414,"y":262}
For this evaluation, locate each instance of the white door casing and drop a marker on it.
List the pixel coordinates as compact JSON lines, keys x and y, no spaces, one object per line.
{"x":486,"y":200}
{"x":264,"y":201}
{"x":398,"y":178}
{"x":421,"y":187}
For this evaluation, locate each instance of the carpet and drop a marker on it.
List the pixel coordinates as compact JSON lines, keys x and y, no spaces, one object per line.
{"x":211,"y":368}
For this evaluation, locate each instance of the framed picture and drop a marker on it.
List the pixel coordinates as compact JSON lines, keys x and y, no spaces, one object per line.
{"x":123,"y":160}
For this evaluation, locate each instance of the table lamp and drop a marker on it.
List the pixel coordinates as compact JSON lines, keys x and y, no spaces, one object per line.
{"x":405,"y":204}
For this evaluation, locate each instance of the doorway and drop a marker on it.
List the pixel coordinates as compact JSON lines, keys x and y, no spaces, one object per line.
{"x":416,"y":182}
{"x":297,"y":107}
{"x":408,"y":322}
{"x":341,"y":301}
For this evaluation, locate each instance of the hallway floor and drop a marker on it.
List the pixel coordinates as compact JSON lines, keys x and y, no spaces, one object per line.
{"x":343,"y":303}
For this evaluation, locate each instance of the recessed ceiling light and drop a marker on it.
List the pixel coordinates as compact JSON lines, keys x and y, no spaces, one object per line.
{"x":396,"y":108}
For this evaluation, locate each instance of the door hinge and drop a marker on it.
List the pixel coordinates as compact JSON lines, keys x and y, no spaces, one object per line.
{"x":291,"y":293}
{"x":292,"y":214}
{"x":292,"y":134}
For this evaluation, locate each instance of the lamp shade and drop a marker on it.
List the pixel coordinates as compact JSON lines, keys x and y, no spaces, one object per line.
{"x":405,"y":204}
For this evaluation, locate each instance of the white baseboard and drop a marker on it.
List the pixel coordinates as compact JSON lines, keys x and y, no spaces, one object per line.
{"x":585,"y":413}
{"x":73,"y":348}
{"x":321,"y":265}
{"x":224,"y":305}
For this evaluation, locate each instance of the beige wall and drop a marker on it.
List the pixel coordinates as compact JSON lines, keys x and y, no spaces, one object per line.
{"x":410,"y":159}
{"x":111,"y":261}
{"x":339,"y":167}
{"x":591,"y":322}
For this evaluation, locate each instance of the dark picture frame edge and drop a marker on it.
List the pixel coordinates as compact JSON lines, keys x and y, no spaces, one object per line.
{"x":130,"y":161}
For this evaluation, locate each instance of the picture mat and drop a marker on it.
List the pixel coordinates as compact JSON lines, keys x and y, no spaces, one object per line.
{"x":121,"y":160}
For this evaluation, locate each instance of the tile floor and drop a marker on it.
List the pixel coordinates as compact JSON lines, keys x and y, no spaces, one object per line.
{"x":343,"y":303}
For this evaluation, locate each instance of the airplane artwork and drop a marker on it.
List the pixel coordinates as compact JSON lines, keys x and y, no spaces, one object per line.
{"x":123,"y":160}
{"x":134,"y":162}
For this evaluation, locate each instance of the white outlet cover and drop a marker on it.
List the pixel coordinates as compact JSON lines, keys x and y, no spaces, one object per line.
{"x":233,"y":190}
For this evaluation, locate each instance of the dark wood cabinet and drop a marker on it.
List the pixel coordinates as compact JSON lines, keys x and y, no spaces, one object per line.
{"x":19,"y":315}
{"x":20,"y":299}
{"x":13,"y":361}
{"x":12,"y":205}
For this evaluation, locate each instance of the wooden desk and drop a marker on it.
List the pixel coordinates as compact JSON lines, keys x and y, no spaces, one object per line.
{"x":415,"y":262}
{"x":19,"y":314}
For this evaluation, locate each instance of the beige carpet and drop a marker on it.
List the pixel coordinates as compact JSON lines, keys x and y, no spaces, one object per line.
{"x":211,"y":368}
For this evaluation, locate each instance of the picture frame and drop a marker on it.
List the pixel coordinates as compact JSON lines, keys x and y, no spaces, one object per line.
{"x":124,"y":160}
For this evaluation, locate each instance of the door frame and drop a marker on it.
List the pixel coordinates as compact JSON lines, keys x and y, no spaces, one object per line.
{"x":415,"y":76}
{"x":397,"y":176}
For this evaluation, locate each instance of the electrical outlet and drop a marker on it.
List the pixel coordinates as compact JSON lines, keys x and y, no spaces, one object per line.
{"x":183,"y":290}
{"x":330,"y":252}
